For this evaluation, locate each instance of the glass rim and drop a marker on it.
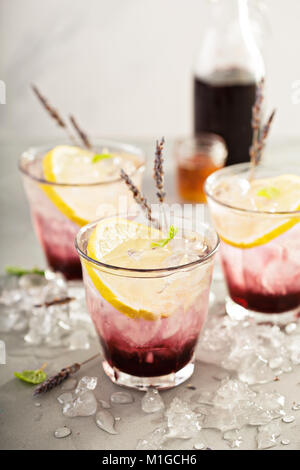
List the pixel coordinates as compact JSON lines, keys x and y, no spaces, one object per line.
{"x":242,"y":166}
{"x":130,"y":148}
{"x":158,"y":271}
{"x":202,"y":135}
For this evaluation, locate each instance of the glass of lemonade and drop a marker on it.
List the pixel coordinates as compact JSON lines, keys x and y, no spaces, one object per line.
{"x":147,"y":296}
{"x":258,"y":223}
{"x":68,"y":187}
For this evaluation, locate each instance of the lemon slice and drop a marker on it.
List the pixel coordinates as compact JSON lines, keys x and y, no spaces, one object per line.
{"x":112,"y":242}
{"x":250,"y":229}
{"x":76,"y":167}
{"x":128,"y":244}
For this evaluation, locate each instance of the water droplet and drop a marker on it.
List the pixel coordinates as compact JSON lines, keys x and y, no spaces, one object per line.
{"x":285,"y":442}
{"x":106,"y":421}
{"x":199,"y":446}
{"x":62,"y":432}
{"x":288,"y":419}
{"x":121,"y":398}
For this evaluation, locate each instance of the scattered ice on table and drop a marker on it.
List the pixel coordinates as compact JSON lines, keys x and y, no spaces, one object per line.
{"x":22,"y":308}
{"x":121,"y":398}
{"x":267,"y":434}
{"x":8,"y":319}
{"x":9,"y":290}
{"x":82,"y":402}
{"x":288,"y":419}
{"x":69,"y":384}
{"x":235,"y":405}
{"x":256,"y":352}
{"x":296,"y":407}
{"x":37,"y":404}
{"x":106,"y":421}
{"x":62,"y":432}
{"x":152,"y":401}
{"x":78,"y":340}
{"x":233,"y":438}
{"x":86,"y":383}
{"x":154,"y":440}
{"x":182,"y":422}
{"x":285,"y":442}
{"x":104,"y":404}
{"x":85,"y":404}
{"x":32,"y":282}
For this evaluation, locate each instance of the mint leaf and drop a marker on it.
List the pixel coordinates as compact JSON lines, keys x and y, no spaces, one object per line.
{"x":17,"y":271}
{"x":269,"y":192}
{"x":161,"y":243}
{"x":100,"y":156}
{"x":31,"y":376}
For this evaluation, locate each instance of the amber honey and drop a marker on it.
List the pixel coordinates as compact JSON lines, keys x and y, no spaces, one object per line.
{"x":191,"y":175}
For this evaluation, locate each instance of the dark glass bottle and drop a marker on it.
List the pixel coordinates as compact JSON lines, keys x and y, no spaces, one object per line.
{"x":228,"y":68}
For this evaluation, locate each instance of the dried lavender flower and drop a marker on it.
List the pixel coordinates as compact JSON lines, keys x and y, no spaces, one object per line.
{"x":158,"y":172}
{"x":81,"y":134}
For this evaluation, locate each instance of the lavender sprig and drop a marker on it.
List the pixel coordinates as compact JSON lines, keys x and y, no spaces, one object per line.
{"x":62,"y":375}
{"x":53,"y":112}
{"x":158,"y":172}
{"x":138,"y":196}
{"x":82,"y":135}
{"x":56,"y":380}
{"x":260,"y":133}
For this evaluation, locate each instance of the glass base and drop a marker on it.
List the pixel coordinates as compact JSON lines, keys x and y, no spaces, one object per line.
{"x":237,"y":312}
{"x":144,"y":383}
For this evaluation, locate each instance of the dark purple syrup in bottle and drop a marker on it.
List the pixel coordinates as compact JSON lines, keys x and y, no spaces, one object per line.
{"x":223,"y":105}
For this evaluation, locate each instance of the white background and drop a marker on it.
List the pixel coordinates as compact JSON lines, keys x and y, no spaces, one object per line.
{"x":124,"y":67}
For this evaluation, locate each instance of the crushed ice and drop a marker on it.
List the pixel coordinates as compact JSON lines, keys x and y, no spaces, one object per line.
{"x":257,"y":353}
{"x":23,"y":310}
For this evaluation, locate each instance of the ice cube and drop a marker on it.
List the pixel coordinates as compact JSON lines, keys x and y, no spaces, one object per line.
{"x":32,"y":281}
{"x":85,"y":404}
{"x":78,"y":340}
{"x":152,"y":401}
{"x":183,"y":423}
{"x":8,"y":319}
{"x":267,"y":435}
{"x":86,"y":383}
{"x":233,"y":437}
{"x":154,"y":440}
